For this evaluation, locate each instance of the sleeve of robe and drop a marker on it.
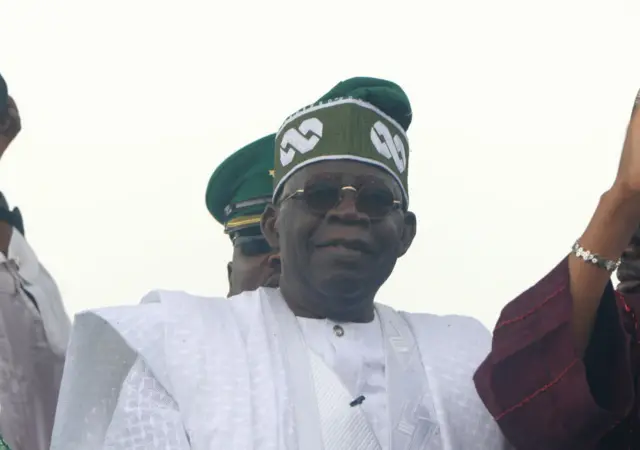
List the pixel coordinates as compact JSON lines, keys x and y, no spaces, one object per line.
{"x":34,"y":329}
{"x":111,"y":397}
{"x":541,"y":393}
{"x":146,"y":417}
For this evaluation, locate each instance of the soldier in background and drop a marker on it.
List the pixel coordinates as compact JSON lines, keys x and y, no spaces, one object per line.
{"x":238,"y":191}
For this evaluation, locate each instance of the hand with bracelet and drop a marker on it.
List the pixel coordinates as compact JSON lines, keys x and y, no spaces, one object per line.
{"x":564,"y":361}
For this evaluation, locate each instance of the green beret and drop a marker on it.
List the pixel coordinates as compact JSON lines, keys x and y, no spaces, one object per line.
{"x":360,"y":119}
{"x":241,"y":186}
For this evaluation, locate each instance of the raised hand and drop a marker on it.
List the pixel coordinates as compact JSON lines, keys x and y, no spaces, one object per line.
{"x":628,"y":178}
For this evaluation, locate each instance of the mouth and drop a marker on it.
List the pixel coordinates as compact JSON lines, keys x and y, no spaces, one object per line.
{"x":350,"y":245}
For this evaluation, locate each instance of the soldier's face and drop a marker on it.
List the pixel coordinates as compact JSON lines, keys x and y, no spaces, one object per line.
{"x":254,"y":265}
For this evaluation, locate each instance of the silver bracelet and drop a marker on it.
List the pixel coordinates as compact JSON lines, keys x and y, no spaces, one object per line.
{"x":607,"y":264}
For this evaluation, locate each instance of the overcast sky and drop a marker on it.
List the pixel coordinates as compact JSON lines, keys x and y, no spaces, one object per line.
{"x":519,"y":114}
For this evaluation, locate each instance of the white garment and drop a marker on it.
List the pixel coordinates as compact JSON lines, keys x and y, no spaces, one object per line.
{"x":182,"y":372}
{"x":34,"y":330}
{"x":355,"y":352}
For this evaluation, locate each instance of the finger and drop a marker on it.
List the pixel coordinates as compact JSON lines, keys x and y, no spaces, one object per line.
{"x":11,"y":103}
{"x":12,"y":108}
{"x":14,"y":114}
{"x":5,"y":124}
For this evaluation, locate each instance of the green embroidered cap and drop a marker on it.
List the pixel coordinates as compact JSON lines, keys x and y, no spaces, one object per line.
{"x":360,"y":119}
{"x":241,"y":187}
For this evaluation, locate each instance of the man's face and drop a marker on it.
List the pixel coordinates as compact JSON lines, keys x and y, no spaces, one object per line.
{"x":343,"y":242}
{"x":254,"y":265}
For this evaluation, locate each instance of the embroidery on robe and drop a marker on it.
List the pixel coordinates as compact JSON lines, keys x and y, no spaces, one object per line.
{"x":410,"y":404}
{"x":344,"y":427}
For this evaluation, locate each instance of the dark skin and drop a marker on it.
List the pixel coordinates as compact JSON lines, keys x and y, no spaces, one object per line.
{"x":249,"y":272}
{"x":608,"y":234}
{"x":333,"y":265}
{"x":10,"y":126}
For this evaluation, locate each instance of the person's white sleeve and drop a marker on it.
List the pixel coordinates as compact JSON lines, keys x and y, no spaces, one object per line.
{"x":111,"y":397}
{"x":146,"y":416}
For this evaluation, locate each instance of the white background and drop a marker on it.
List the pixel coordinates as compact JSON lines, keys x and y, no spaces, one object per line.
{"x":128,"y":106}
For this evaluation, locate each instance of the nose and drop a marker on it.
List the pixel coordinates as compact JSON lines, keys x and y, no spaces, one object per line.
{"x":346,"y":211}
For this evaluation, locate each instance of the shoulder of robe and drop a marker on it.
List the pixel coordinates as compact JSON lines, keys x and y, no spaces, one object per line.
{"x":160,"y":309}
{"x":459,"y":334}
{"x":145,"y":325}
{"x":114,"y":337}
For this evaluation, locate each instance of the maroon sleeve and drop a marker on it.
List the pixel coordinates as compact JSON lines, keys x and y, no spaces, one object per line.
{"x":541,"y":393}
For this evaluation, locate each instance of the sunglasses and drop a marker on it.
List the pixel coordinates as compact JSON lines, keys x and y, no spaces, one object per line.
{"x":372,"y":199}
{"x":252,"y":245}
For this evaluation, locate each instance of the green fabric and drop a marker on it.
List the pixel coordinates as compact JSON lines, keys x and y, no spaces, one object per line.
{"x":384,"y":94}
{"x":3,"y":444}
{"x":243,"y":181}
{"x":362,"y":119}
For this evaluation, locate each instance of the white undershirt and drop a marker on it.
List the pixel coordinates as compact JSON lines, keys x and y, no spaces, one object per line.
{"x":357,"y":357}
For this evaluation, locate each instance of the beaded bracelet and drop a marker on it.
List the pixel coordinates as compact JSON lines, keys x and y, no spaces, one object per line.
{"x":607,"y":264}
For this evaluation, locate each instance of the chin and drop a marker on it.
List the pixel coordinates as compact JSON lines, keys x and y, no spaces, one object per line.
{"x":343,"y":297}
{"x":350,"y":309}
{"x":344,"y":285}
{"x":346,"y":297}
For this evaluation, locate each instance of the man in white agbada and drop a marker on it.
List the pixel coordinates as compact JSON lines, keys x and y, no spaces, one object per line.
{"x":34,"y":327}
{"x":315,"y":364}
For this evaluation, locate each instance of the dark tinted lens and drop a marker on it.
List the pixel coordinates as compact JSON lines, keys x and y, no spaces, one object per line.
{"x":374,"y":201}
{"x":321,"y":196}
{"x":253,"y":247}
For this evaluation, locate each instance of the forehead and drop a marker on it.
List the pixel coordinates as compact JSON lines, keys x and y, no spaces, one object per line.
{"x":347,"y":172}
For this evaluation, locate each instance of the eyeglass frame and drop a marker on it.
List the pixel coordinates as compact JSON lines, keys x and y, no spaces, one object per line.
{"x":295,"y":195}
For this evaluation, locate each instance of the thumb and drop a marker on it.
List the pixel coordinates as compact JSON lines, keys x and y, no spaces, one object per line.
{"x":633,"y":129}
{"x":636,"y":104}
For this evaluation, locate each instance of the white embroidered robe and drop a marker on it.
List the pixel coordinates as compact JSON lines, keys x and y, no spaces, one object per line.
{"x":182,"y":372}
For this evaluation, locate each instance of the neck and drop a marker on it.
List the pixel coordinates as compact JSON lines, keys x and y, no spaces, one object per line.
{"x":306,"y":301}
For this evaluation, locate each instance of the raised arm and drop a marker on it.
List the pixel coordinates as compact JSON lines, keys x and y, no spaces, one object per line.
{"x":561,"y":371}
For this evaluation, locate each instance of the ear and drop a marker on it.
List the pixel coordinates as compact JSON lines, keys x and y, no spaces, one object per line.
{"x":268,"y":226}
{"x":408,"y":232}
{"x":229,"y":272}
